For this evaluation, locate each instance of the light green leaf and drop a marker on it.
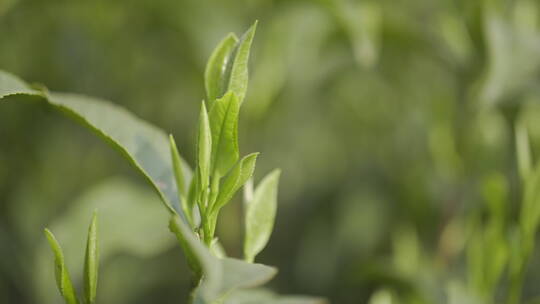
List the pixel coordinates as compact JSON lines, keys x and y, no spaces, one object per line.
{"x":180,"y":180}
{"x":62,"y":276}
{"x":235,"y":179}
{"x":220,"y":275}
{"x":144,"y":145}
{"x":260,"y":214}
{"x":204,"y":150}
{"x":116,"y":198}
{"x":224,"y":126}
{"x":91,"y":263}
{"x":214,"y":75}
{"x":198,"y":258}
{"x":238,"y":71}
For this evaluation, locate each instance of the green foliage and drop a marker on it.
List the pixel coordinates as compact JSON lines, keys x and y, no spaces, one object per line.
{"x":91,"y":263}
{"x":91,"y":266}
{"x":216,"y":68}
{"x":224,"y":126}
{"x":62,"y":276}
{"x":217,"y":155}
{"x":260,"y":215}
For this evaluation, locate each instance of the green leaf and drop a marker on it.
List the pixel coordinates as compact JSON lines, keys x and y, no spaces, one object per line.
{"x":62,"y":276}
{"x":238,"y":71}
{"x":235,"y":179}
{"x":260,"y":214}
{"x":91,"y":264}
{"x":204,"y":150}
{"x":180,"y":180}
{"x":198,"y":258}
{"x":220,"y":275}
{"x":224,"y":126}
{"x":117,"y":198}
{"x":214,"y":75}
{"x":144,"y":145}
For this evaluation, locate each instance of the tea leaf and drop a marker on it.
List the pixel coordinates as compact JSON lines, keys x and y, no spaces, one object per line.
{"x":91,"y":264}
{"x":62,"y":276}
{"x":260,"y":214}
{"x":235,"y":179}
{"x":180,"y":181}
{"x":224,"y":126}
{"x":238,"y":77}
{"x":219,"y":276}
{"x":214,"y":74}
{"x":204,"y":149}
{"x":144,"y":145}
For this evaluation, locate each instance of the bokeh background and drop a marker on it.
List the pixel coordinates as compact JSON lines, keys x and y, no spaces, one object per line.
{"x":393,"y":122}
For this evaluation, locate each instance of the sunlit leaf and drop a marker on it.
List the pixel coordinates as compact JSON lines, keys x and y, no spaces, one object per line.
{"x":63,"y":280}
{"x":260,"y":215}
{"x":235,"y":179}
{"x":214,"y":75}
{"x":91,"y":264}
{"x":219,"y":276}
{"x":238,"y":77}
{"x":204,"y":150}
{"x":224,"y":126}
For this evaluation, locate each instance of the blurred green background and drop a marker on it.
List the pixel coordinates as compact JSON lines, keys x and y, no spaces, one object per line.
{"x":393,"y":122}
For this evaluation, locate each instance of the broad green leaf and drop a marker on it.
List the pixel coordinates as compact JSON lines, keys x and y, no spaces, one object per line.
{"x":204,"y":150}
{"x":62,"y":276}
{"x":235,"y":179}
{"x":214,"y":75}
{"x":91,"y":264}
{"x":144,"y":145}
{"x":259,"y":216}
{"x":224,"y":126}
{"x":220,"y":276}
{"x":238,"y":71}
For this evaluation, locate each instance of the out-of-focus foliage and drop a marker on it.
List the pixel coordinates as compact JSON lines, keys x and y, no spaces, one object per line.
{"x":395,"y":121}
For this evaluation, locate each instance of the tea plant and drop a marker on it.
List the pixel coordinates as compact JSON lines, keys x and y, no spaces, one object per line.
{"x":193,"y":200}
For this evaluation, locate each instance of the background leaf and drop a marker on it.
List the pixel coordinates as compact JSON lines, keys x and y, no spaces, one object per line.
{"x":91,"y":264}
